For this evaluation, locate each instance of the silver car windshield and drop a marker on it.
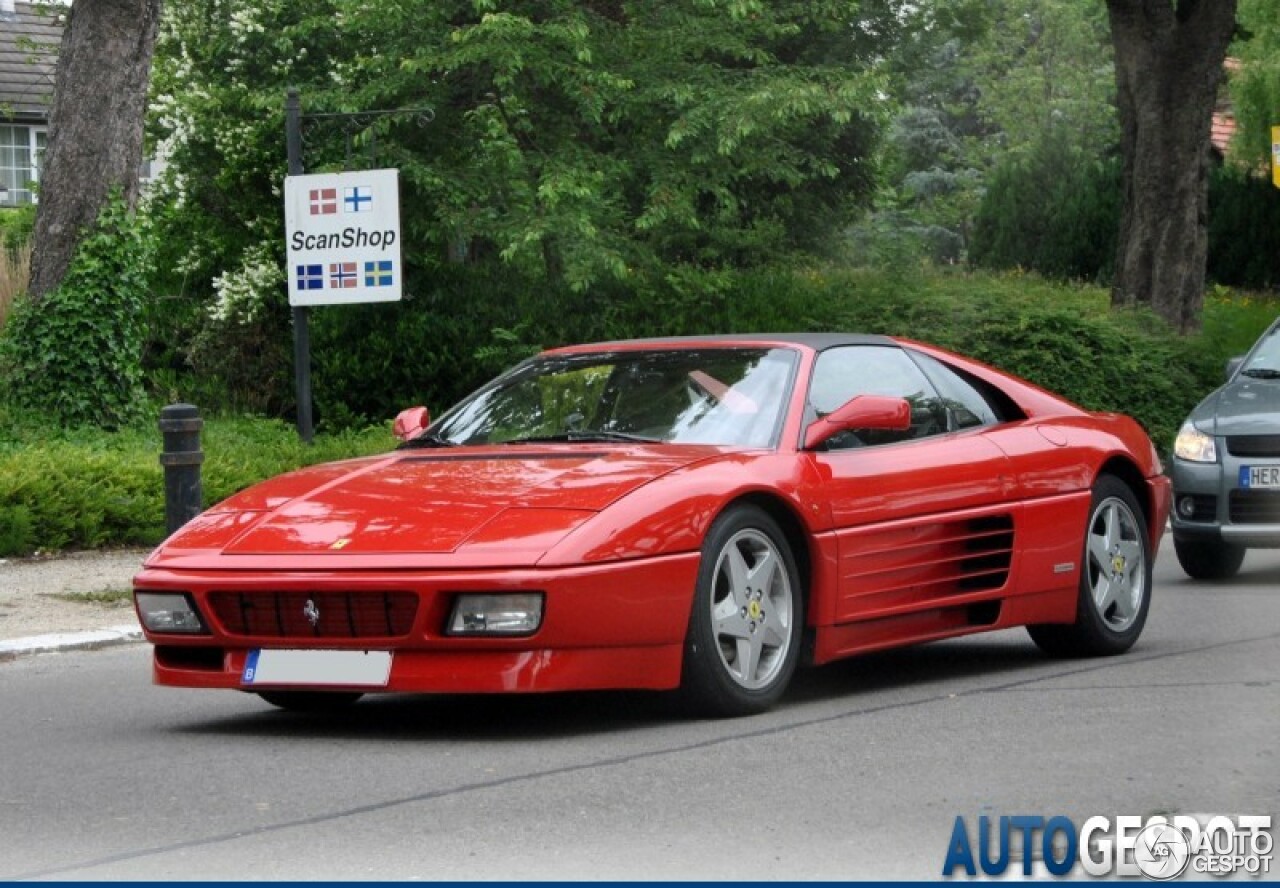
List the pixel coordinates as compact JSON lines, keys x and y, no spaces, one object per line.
{"x":1264,"y":360}
{"x":721,"y":396}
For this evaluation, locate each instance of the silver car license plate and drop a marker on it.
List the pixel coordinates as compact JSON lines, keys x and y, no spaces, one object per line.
{"x":308,"y":667}
{"x":1260,"y":477}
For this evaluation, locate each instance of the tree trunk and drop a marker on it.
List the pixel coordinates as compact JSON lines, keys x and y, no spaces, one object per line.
{"x":1169,"y":59}
{"x":95,"y":126}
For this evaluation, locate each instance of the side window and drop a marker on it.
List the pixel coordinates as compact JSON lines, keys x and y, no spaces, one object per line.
{"x":844,"y":373}
{"x":965,"y":403}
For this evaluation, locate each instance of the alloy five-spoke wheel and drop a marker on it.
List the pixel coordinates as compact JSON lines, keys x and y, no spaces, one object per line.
{"x":744,"y":631}
{"x":1114,"y":592}
{"x":751,"y":609}
{"x":1116,"y":563}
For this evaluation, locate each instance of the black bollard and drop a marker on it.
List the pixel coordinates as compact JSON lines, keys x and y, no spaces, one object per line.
{"x":182,"y":456}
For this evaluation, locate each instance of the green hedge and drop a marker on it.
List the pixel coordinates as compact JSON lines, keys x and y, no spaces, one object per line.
{"x":86,"y":487}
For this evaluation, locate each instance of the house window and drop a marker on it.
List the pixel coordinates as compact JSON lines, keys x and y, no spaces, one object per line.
{"x":21,"y":155}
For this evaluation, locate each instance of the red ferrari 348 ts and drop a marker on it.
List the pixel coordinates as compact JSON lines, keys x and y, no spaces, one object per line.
{"x":697,"y":513}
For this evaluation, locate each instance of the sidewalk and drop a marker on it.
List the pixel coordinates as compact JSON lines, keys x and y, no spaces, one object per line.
{"x":69,"y":601}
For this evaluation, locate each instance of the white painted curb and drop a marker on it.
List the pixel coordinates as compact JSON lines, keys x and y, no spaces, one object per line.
{"x":67,"y":641}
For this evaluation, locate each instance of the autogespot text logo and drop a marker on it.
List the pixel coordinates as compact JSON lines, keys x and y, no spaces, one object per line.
{"x":1159,"y":848}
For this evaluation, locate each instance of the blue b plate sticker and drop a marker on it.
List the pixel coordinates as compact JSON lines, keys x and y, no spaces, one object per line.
{"x":1260,"y":477}
{"x":250,"y":667}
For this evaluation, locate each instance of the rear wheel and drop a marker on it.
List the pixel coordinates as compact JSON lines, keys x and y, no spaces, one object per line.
{"x":311,"y":701}
{"x":1208,"y":559}
{"x":744,"y":632}
{"x":1115,"y":579}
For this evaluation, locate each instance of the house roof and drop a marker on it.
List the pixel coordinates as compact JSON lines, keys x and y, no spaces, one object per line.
{"x":29,"y":40}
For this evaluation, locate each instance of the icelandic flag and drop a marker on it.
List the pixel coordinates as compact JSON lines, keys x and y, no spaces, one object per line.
{"x":310,"y":277}
{"x":358,"y":199}
{"x":378,"y":274}
{"x":342,"y":275}
{"x":324,"y":201}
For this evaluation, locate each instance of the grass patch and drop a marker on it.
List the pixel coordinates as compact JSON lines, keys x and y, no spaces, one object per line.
{"x":113,"y":597}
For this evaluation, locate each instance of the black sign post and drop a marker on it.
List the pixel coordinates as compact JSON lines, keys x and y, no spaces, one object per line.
{"x":301,"y":334}
{"x":354,"y":122}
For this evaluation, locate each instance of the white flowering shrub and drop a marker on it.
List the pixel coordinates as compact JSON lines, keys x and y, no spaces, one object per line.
{"x":242,"y":295}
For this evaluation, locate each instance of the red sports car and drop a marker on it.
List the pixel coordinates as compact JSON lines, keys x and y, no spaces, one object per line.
{"x":697,"y":513}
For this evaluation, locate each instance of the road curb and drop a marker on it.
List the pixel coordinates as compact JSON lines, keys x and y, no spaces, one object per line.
{"x":69,"y":641}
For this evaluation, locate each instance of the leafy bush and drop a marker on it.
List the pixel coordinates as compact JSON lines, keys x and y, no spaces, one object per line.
{"x":16,"y":225}
{"x":1055,"y":211}
{"x":77,"y":352}
{"x":1244,"y":229}
{"x":1058,"y":214}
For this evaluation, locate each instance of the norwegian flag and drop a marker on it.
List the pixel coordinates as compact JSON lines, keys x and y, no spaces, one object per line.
{"x":324,"y":201}
{"x":342,"y":275}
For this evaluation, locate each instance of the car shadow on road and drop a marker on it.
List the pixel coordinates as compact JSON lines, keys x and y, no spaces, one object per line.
{"x":859,"y":682}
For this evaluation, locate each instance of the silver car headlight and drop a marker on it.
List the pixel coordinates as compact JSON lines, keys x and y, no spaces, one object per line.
{"x":1194,"y":445}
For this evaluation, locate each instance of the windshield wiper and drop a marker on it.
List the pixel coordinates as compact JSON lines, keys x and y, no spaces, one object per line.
{"x":432,"y":440}
{"x":589,"y":435}
{"x":1261,"y":373}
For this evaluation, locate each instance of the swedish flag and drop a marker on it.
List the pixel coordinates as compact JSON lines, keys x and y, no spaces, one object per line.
{"x":378,"y":274}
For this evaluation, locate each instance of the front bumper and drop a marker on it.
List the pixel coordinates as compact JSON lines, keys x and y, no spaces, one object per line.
{"x":612,"y":626}
{"x":1210,"y":505}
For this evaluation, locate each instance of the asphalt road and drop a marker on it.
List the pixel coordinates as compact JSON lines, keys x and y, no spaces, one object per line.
{"x":860,"y":774}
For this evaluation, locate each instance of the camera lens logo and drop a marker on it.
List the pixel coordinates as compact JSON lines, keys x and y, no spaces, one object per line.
{"x":1161,"y":852}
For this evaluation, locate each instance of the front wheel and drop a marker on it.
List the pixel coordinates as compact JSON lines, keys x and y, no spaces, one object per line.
{"x":1208,"y":559}
{"x":1115,"y":579}
{"x":748,"y":610}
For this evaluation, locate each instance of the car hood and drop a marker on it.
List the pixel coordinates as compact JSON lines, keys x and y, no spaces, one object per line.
{"x":490,"y":506}
{"x":1245,"y":407}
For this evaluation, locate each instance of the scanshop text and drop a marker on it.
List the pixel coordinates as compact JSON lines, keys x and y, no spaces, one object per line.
{"x":345,"y":239}
{"x":1104,"y":846}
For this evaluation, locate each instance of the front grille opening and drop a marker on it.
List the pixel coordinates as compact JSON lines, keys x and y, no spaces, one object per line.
{"x":204,"y":659}
{"x":1254,"y":506}
{"x":1253,"y":445}
{"x":302,"y":615}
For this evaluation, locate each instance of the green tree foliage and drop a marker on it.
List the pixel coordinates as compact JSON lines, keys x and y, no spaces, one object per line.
{"x":575,"y":143}
{"x":1255,"y":88}
{"x":76,"y":354}
{"x":980,"y":83}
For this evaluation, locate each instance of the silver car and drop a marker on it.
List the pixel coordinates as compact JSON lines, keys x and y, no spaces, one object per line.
{"x":1226,"y":467}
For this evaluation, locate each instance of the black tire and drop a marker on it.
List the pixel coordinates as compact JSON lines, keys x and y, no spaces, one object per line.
{"x":1111,"y":625}
{"x":741,"y":661}
{"x":311,"y":701}
{"x":1208,"y":559}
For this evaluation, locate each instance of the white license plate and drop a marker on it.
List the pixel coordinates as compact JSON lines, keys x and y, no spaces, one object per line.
{"x":365,"y":669}
{"x":1260,"y":477}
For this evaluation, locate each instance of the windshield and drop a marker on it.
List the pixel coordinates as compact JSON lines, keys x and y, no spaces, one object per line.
{"x":727,"y":396}
{"x":1264,"y":360}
